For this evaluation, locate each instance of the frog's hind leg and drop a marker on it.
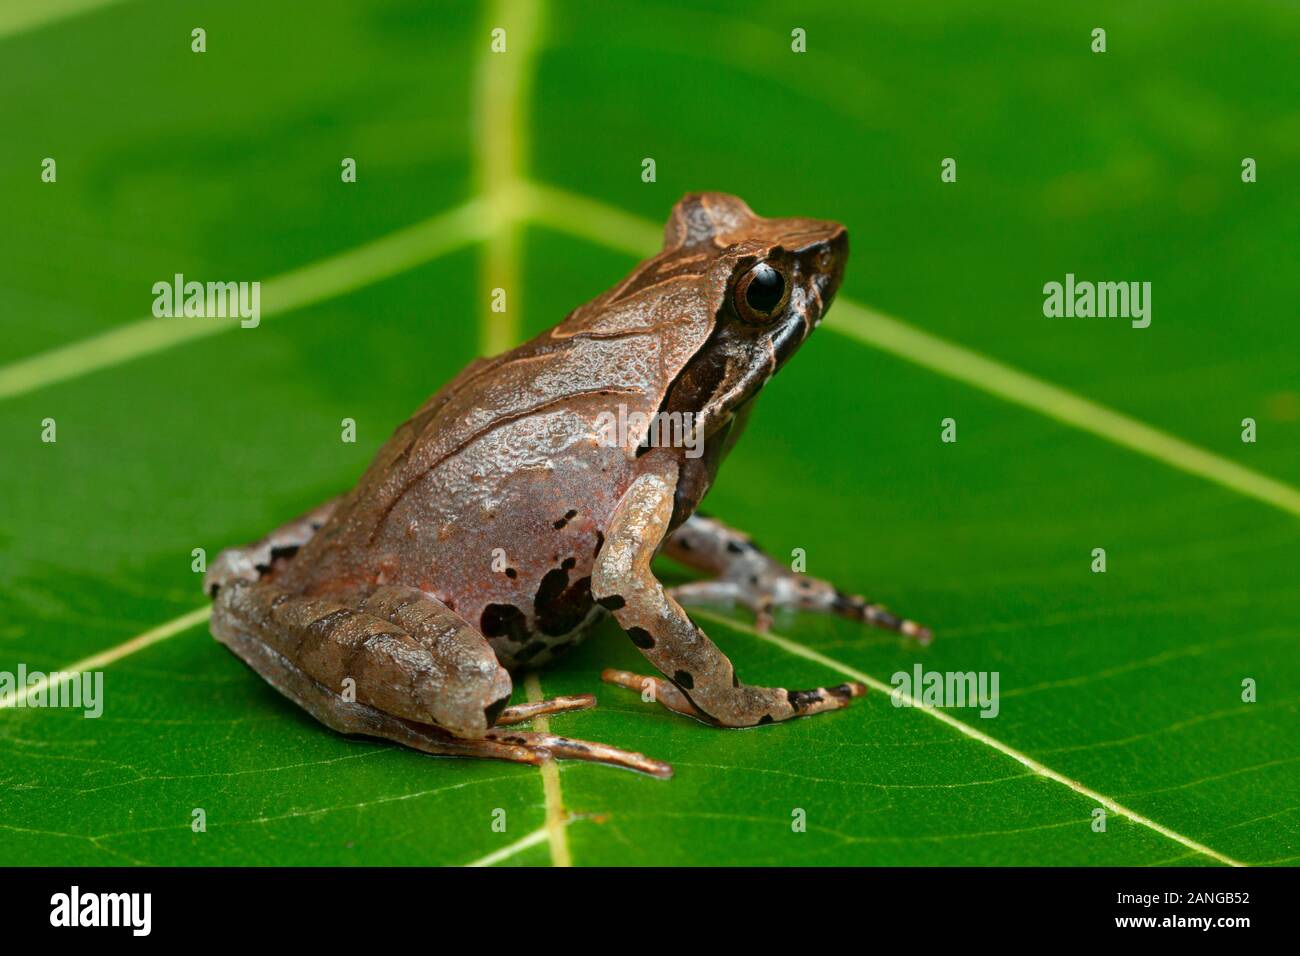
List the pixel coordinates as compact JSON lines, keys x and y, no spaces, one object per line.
{"x":750,"y":578}
{"x":252,"y":561}
{"x":396,"y":650}
{"x":350,"y":717}
{"x":396,"y":664}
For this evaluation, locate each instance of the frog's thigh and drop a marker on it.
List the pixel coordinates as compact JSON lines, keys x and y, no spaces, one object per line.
{"x":352,"y":717}
{"x":251,"y":561}
{"x":405,"y":653}
{"x":706,"y":683}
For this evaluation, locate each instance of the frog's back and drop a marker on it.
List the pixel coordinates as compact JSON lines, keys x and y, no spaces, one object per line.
{"x":494,"y":495}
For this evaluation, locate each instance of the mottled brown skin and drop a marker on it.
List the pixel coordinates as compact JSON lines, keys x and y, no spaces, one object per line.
{"x":494,"y":527}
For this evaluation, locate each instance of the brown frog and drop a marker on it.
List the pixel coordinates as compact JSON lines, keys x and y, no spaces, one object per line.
{"x":506,"y":517}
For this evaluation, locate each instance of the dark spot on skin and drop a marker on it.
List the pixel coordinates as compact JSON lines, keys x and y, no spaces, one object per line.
{"x":685,"y":544}
{"x":765,"y":719}
{"x":212,"y":591}
{"x":568,"y":516}
{"x":493,"y":710}
{"x":840,"y":691}
{"x":568,"y":564}
{"x":753,"y":579}
{"x":612,"y":602}
{"x":641,"y":637}
{"x":283,"y":553}
{"x":683,"y":679}
{"x":734,"y":547}
{"x":805,"y":584}
{"x":802,"y":699}
{"x":449,"y":605}
{"x":504,"y":620}
{"x":511,"y":573}
{"x":559,"y":605}
{"x":845,"y":602}
{"x":553,"y":584}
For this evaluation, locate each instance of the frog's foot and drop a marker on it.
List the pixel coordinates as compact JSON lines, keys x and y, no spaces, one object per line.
{"x":566,"y":748}
{"x":253,"y":561}
{"x":806,"y":702}
{"x":750,"y":578}
{"x":701,"y":681}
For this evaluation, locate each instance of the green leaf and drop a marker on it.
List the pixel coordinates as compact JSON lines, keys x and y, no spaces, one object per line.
{"x":1120,"y":690}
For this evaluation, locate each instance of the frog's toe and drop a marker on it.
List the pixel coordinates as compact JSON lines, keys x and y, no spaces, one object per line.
{"x":856,"y":608}
{"x":518,"y":713}
{"x":566,"y":748}
{"x":657,"y":689}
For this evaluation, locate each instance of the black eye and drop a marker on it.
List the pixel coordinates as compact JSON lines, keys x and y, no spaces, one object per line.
{"x":760,"y":293}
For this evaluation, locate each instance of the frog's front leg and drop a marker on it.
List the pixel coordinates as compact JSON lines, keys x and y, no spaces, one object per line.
{"x":397,"y":664}
{"x":749,"y":577}
{"x":703,"y":682}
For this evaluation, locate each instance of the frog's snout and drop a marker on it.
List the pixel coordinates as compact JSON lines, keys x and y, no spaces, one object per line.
{"x":830,"y":263}
{"x":822,"y":267}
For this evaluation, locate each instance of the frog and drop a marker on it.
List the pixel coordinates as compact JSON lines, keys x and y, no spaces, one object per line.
{"x":501,"y":521}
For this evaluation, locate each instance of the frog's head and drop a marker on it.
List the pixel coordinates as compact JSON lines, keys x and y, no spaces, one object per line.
{"x":770,"y":282}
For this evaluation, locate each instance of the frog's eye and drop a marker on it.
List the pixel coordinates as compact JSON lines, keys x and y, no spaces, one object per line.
{"x":761,"y":294}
